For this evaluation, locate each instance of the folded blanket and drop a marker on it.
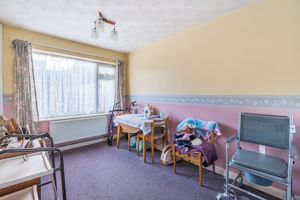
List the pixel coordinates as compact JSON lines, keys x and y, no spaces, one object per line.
{"x":204,"y":127}
{"x":208,"y":151}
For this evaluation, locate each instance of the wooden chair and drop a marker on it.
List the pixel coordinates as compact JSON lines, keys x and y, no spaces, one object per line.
{"x":159,"y":132}
{"x":12,"y":127}
{"x":123,"y":129}
{"x":194,"y":158}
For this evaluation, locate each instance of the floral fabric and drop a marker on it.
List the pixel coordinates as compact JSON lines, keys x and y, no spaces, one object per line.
{"x":120,"y":84}
{"x":25,"y":104}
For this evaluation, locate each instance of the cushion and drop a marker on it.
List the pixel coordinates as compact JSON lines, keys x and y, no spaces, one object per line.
{"x":265,"y":163}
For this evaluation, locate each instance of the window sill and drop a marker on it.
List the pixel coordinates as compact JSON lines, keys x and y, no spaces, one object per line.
{"x":72,"y":117}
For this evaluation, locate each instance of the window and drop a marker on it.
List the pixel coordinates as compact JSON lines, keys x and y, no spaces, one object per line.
{"x":69,"y":87}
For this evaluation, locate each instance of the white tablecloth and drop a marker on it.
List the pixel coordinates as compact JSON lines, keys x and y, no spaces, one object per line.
{"x":136,"y":121}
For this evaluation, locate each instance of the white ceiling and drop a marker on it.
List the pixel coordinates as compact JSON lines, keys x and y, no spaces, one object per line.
{"x":139,"y":22}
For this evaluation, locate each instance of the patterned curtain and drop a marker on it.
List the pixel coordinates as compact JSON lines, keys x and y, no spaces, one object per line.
{"x":25,"y":104}
{"x":120,"y":84}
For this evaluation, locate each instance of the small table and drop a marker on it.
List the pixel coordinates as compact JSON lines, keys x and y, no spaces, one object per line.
{"x":19,"y":186}
{"x":15,"y":170}
{"x":133,"y":123}
{"x":25,"y":194}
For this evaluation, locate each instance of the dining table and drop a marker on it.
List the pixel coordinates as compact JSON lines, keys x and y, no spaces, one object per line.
{"x":135,"y":123}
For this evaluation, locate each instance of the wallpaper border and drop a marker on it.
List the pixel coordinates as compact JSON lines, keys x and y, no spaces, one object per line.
{"x":290,"y":102}
{"x":7,"y":98}
{"x":286,"y":102}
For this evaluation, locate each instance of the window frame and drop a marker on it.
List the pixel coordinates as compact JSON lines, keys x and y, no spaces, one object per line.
{"x":97,"y":61}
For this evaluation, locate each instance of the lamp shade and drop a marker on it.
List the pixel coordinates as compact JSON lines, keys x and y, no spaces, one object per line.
{"x":114,"y":34}
{"x":100,"y":25}
{"x":94,"y":34}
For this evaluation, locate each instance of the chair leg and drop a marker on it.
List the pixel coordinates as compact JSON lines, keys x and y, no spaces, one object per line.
{"x":227,"y":171}
{"x":118,"y":136}
{"x":128,"y":136}
{"x":289,"y":186}
{"x":144,"y":148}
{"x":152,"y":149}
{"x":289,"y":193}
{"x":214,"y":167}
{"x":138,"y":145}
{"x":200,"y":170}
{"x":174,"y":159}
{"x":167,"y":137}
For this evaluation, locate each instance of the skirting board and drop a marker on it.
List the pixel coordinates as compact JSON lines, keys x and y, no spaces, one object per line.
{"x":269,"y":190}
{"x":85,"y":143}
{"x":81,"y":144}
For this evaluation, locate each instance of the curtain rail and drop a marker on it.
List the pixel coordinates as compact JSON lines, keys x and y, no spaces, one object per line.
{"x":68,"y":50}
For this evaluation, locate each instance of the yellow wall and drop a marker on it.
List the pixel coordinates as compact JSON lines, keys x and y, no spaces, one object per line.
{"x":10,"y":33}
{"x":252,"y":51}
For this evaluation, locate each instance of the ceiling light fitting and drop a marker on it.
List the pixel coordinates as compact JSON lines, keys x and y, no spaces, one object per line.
{"x":99,"y":27}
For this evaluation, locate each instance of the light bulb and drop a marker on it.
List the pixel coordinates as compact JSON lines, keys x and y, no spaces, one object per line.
{"x":114,"y":34}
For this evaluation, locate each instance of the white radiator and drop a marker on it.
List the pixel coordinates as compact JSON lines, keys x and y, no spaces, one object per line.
{"x":76,"y":129}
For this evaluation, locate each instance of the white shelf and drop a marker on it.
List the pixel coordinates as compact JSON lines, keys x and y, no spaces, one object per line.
{"x":25,"y":194}
{"x":15,"y":170}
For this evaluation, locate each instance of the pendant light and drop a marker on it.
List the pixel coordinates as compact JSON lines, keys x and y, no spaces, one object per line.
{"x":99,"y":27}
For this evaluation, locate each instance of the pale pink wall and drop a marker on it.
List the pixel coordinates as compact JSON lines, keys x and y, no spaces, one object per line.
{"x":44,"y":126}
{"x":8,"y":111}
{"x":227,"y":117}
